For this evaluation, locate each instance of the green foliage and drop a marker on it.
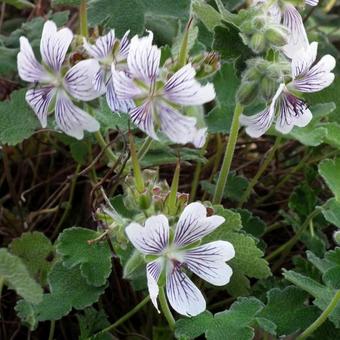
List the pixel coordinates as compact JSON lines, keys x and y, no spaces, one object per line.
{"x":207,"y":14}
{"x":253,"y":225}
{"x":36,"y":252}
{"x":94,"y":259}
{"x":20,"y":4}
{"x":331,"y":211}
{"x":329,"y":170}
{"x":16,"y":276}
{"x":17,"y":120}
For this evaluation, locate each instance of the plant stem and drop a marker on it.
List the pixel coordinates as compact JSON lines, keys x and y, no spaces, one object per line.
{"x":228,"y":156}
{"x":52,"y":328}
{"x":123,"y":318}
{"x":83,"y":18}
{"x":260,"y":172}
{"x":322,"y":318}
{"x":144,"y":148}
{"x":289,"y":244}
{"x":111,"y":157}
{"x":165,"y":309}
{"x":197,"y":173}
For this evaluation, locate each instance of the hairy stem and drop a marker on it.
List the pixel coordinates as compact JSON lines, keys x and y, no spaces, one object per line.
{"x":52,"y":329}
{"x":322,"y":318}
{"x":144,"y":148}
{"x":228,"y":156}
{"x":165,"y":309}
{"x":83,"y":18}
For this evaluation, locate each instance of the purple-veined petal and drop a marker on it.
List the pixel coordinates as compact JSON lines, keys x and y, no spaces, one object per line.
{"x":153,"y":238}
{"x":153,"y":272}
{"x":182,"y":88}
{"x":257,"y":124}
{"x":28,"y":67}
{"x":177,"y":127}
{"x":39,"y":99}
{"x":184,"y":297}
{"x":293,"y":111}
{"x":124,"y":85}
{"x":304,"y":59}
{"x":208,"y":262}
{"x":71,"y":119}
{"x":199,"y":138}
{"x":194,"y":224}
{"x":318,"y":77}
{"x":298,"y":37}
{"x":102,"y":47}
{"x":115,"y":104}
{"x":99,"y":81}
{"x":125,"y":44}
{"x":312,"y":2}
{"x":54,"y":45}
{"x":79,"y":80}
{"x":142,"y":116}
{"x":144,"y":58}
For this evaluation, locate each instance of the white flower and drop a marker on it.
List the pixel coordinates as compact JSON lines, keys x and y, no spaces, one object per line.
{"x":179,"y":252}
{"x":56,"y":88}
{"x":108,"y":50}
{"x":158,"y":100}
{"x":307,"y":77}
{"x":284,"y":12}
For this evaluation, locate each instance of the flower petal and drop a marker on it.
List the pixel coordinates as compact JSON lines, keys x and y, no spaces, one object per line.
{"x":152,"y":238}
{"x":184,"y":297}
{"x":124,"y":85}
{"x":99,"y":81}
{"x":312,"y":2}
{"x":304,"y":59}
{"x":144,"y":58}
{"x":115,"y":104}
{"x":71,"y":119}
{"x":293,"y":111}
{"x":208,"y":262}
{"x":258,"y":124}
{"x":54,"y":45}
{"x":182,"y":88}
{"x":125,"y":45}
{"x":28,"y":67}
{"x":79,"y":80}
{"x":142,"y":116}
{"x":102,"y":47}
{"x":177,"y":127}
{"x":318,"y":77}
{"x":298,"y":37}
{"x":39,"y":99}
{"x":199,"y":138}
{"x":194,"y":224}
{"x":153,"y":272}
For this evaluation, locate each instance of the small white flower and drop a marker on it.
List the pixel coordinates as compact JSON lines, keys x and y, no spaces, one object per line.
{"x":284,"y":12}
{"x":307,"y":77}
{"x":177,"y":252}
{"x":108,"y":50}
{"x":158,"y":99}
{"x":56,"y":88}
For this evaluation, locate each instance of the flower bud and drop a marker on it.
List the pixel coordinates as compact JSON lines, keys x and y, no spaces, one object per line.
{"x":276,"y":36}
{"x":268,"y":87}
{"x":257,"y":42}
{"x":336,"y":237}
{"x":247,"y":92}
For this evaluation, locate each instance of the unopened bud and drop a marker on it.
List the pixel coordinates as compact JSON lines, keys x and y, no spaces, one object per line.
{"x":257,"y":42}
{"x":268,"y":88}
{"x":276,"y":36}
{"x":247,"y":92}
{"x":336,"y":237}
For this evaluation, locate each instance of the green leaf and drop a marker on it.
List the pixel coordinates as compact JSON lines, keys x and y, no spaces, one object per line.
{"x":8,"y":60}
{"x":68,"y":290}
{"x":193,"y":327}
{"x":66,"y":2}
{"x":329,"y":170}
{"x":94,"y":259}
{"x":294,"y":316}
{"x":207,"y":14}
{"x":25,"y":311}
{"x":78,"y":148}
{"x":17,"y":277}
{"x":20,"y":4}
{"x":37,"y":253}
{"x":17,"y":119}
{"x":331,"y":211}
{"x":251,"y":224}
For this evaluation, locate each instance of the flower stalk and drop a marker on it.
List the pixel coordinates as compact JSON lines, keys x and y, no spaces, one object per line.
{"x":166,"y":310}
{"x":172,"y":208}
{"x":139,"y":181}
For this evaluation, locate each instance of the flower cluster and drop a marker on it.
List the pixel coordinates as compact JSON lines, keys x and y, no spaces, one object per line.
{"x":128,"y":72}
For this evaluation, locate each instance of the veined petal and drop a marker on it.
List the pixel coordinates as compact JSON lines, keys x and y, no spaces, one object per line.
{"x":318,"y":77}
{"x":142,"y":116}
{"x":298,"y":37}
{"x":258,"y":124}
{"x":28,"y":67}
{"x":79,"y":80}
{"x":199,"y":138}
{"x":54,"y":45}
{"x":304,"y":59}
{"x":124,"y":85}
{"x":125,"y":44}
{"x":71,"y":119}
{"x":293,"y":111}
{"x":115,"y":104}
{"x":153,"y":272}
{"x":194,"y":224}
{"x":208,"y":262}
{"x":102,"y":47}
{"x":184,"y":297}
{"x":177,"y":127}
{"x":153,"y":238}
{"x":312,"y":2}
{"x":39,"y":100}
{"x":144,"y":58}
{"x":99,"y":81}
{"x":182,"y":88}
